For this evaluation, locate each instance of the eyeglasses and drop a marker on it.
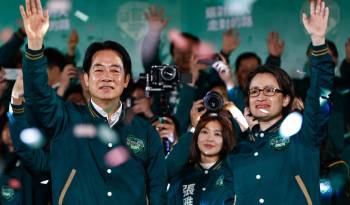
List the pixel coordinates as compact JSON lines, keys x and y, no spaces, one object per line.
{"x":267,"y":91}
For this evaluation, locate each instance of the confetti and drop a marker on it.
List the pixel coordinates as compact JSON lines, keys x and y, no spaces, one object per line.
{"x":116,"y":156}
{"x":32,"y":137}
{"x":291,"y":124}
{"x":84,"y":131}
{"x":82,"y":16}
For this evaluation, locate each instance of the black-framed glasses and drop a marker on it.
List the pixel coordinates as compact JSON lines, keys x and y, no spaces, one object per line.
{"x":267,"y":91}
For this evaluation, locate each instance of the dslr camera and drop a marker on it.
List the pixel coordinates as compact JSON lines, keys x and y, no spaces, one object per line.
{"x":164,"y":78}
{"x":213,"y":101}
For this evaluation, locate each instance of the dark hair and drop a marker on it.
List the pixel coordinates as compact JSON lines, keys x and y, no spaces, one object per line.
{"x":188,"y":36}
{"x":3,"y":121}
{"x":284,"y":82}
{"x":228,"y":134}
{"x":107,"y":45}
{"x":54,"y":58}
{"x":244,"y":56}
{"x":76,"y":88}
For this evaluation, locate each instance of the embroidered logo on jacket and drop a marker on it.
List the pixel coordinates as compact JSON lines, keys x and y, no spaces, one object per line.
{"x":7,"y":193}
{"x":220,"y":181}
{"x":135,"y":145}
{"x":279,"y":143}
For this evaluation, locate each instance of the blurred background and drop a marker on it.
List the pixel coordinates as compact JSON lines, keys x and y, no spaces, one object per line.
{"x":124,"y":21}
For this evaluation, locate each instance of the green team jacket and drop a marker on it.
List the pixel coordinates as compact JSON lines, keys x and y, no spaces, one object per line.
{"x":78,"y":169}
{"x":269,"y":170}
{"x":197,"y":185}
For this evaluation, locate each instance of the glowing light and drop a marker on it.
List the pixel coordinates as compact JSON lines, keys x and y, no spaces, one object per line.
{"x":324,"y":96}
{"x":82,"y":16}
{"x":84,"y":131}
{"x":107,"y":135}
{"x":239,"y":7}
{"x":325,"y":187}
{"x":291,"y":124}
{"x":32,"y":137}
{"x":117,"y":156}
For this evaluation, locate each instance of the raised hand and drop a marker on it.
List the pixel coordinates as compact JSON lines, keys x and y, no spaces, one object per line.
{"x":155,"y":18}
{"x":316,"y":24}
{"x":275,"y":44}
{"x":73,"y":42}
{"x":237,"y":115}
{"x":18,"y":90}
{"x":230,"y":41}
{"x":225,"y":73}
{"x":196,"y":112}
{"x":36,"y":23}
{"x":143,"y":106}
{"x":166,"y":129}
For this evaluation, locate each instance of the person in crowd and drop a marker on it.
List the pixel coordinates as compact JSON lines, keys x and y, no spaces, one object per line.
{"x":79,"y":172}
{"x":205,"y":179}
{"x":270,"y":167}
{"x":18,"y":183}
{"x":186,"y":59}
{"x":245,"y":63}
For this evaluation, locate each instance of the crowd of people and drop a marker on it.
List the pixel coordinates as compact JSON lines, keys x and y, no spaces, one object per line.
{"x":98,"y":135}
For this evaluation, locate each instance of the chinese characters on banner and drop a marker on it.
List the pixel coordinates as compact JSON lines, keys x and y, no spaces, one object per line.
{"x":221,"y":18}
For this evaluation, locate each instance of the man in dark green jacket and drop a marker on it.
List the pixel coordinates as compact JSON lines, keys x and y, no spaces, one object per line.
{"x":80,"y":174}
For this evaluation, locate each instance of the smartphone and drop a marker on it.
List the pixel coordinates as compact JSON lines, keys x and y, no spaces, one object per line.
{"x":12,"y":73}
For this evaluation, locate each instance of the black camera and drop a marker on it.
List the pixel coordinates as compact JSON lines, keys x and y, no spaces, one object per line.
{"x":213,"y":101}
{"x":164,"y":78}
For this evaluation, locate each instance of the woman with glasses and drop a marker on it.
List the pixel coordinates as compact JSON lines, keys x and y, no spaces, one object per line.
{"x":205,"y":178}
{"x":272,"y":168}
{"x":278,"y":168}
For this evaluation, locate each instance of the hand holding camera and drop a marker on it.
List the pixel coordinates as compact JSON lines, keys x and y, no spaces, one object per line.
{"x":142,"y":106}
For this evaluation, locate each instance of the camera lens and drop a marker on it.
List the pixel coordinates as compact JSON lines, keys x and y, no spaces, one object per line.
{"x":168,"y":73}
{"x":213,"y":101}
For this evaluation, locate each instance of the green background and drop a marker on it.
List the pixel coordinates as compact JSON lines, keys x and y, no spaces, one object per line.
{"x":123,"y":21}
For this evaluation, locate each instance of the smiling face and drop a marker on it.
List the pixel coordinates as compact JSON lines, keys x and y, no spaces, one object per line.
{"x":210,"y":141}
{"x":266,"y":108}
{"x":106,"y":79}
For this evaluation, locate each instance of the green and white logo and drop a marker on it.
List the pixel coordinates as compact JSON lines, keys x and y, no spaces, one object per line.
{"x":7,"y":193}
{"x":220,"y":181}
{"x":135,"y":145}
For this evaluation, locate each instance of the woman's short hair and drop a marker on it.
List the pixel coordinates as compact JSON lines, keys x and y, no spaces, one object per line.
{"x":284,"y":81}
{"x":228,"y":134}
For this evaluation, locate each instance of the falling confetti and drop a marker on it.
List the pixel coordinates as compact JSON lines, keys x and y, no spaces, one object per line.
{"x":82,"y":16}
{"x":14,"y":183}
{"x":291,"y":124}
{"x":263,"y":110}
{"x":32,"y":137}
{"x":107,"y":135}
{"x":84,"y":131}
{"x":116,"y":156}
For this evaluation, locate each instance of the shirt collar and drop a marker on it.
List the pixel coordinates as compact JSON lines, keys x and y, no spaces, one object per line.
{"x":114,"y":117}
